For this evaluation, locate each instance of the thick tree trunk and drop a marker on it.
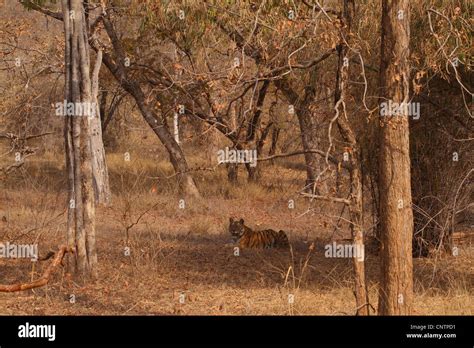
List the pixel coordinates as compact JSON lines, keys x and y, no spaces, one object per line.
{"x":310,"y":140}
{"x":232,"y":173}
{"x":86,"y":164}
{"x":251,"y":141}
{"x":309,"y":131}
{"x":254,"y":172}
{"x":81,"y":205}
{"x":396,"y":216}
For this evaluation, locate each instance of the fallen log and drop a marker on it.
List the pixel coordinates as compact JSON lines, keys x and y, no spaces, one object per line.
{"x":43,"y":280}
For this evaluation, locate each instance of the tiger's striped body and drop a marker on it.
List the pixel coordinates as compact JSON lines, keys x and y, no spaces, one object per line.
{"x":248,"y":238}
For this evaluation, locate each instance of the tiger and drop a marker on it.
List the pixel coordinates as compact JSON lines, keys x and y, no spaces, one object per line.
{"x":248,"y":238}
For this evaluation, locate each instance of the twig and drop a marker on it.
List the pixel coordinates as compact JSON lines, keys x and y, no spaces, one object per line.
{"x":302,"y":152}
{"x":326,"y":198}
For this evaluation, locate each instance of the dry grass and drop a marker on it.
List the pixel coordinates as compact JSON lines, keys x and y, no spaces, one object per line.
{"x":179,"y":262}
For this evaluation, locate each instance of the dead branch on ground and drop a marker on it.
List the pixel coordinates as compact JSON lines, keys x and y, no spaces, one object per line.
{"x":43,"y":280}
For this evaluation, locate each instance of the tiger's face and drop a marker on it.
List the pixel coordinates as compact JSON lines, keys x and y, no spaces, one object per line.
{"x":236,"y":228}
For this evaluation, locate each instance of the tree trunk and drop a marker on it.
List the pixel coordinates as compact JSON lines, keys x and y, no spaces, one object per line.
{"x":253,"y":173}
{"x":309,"y":130}
{"x":310,"y":140}
{"x":100,"y":172}
{"x":185,"y":180}
{"x":356,"y":204}
{"x":86,"y":165}
{"x":396,"y":216}
{"x":251,"y":141}
{"x":232,"y":173}
{"x":273,"y":147}
{"x":81,"y":205}
{"x":70,"y":228}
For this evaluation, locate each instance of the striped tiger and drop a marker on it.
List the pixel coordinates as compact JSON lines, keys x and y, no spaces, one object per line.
{"x":248,"y":238}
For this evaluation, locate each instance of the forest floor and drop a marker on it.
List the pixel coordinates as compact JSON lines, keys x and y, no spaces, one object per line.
{"x":179,"y":262}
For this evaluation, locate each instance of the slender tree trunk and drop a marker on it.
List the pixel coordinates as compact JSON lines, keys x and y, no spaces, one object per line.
{"x":80,"y":239}
{"x":356,"y":204}
{"x":100,"y":172}
{"x":275,"y":137}
{"x":396,"y":215}
{"x":186,"y":182}
{"x":70,"y":233}
{"x":185,"y":179}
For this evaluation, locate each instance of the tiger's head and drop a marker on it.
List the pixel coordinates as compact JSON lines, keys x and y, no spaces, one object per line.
{"x":236,"y":228}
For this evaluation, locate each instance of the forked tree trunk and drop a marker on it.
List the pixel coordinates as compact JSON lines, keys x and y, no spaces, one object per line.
{"x":396,"y":215}
{"x":252,"y":143}
{"x":309,"y":130}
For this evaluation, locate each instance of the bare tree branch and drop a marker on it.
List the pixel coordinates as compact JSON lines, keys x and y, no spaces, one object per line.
{"x":44,"y":278}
